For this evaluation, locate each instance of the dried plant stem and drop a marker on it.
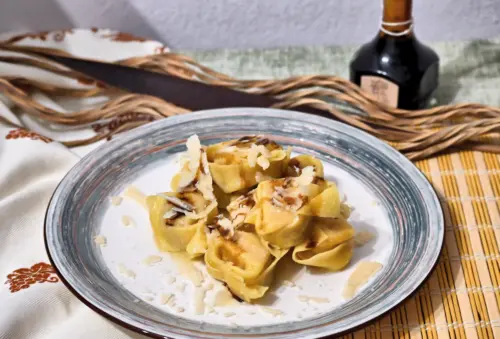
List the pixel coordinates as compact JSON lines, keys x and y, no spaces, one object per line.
{"x":418,"y":134}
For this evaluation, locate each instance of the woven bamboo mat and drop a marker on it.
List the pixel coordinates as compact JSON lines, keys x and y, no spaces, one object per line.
{"x":461,"y":298}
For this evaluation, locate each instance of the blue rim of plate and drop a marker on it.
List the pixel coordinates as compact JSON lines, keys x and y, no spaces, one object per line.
{"x":415,"y":176}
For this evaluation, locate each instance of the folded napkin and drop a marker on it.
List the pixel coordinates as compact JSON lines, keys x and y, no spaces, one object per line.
{"x":35,"y":303}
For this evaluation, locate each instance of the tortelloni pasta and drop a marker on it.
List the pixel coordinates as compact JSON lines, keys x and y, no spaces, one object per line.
{"x":179,"y":218}
{"x":178,"y":221}
{"x":237,"y":164}
{"x":329,"y":245}
{"x":243,"y":205}
{"x":242,"y":262}
{"x":285,"y":208}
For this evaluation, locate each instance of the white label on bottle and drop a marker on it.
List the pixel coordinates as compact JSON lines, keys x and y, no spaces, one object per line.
{"x":384,"y":90}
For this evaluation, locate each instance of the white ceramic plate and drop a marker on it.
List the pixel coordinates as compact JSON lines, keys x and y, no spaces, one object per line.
{"x":389,"y":195}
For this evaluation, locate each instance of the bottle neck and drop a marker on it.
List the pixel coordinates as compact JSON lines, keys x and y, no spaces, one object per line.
{"x":397,"y":19}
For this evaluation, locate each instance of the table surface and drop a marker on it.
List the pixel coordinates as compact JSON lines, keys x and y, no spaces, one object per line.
{"x":461,"y":298}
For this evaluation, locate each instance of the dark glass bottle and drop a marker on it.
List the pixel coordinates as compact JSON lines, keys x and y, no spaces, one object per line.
{"x":395,"y":67}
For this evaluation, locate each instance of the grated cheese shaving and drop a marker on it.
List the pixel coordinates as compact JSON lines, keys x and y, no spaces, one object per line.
{"x":128,"y":221}
{"x":362,"y":238}
{"x":306,"y":177}
{"x":194,"y":151}
{"x":199,"y":305}
{"x":223,"y":298}
{"x":194,"y":155}
{"x":205,"y":186}
{"x":362,"y":273}
{"x":171,"y":302}
{"x":134,"y":194}
{"x":187,"y":177}
{"x":196,"y":277}
{"x":151,"y":260}
{"x":204,"y":162}
{"x":226,"y":224}
{"x":288,"y":283}
{"x":204,"y":213}
{"x":305,"y":298}
{"x":100,"y":240}
{"x":263,"y":162}
{"x":115,"y":201}
{"x":272,"y":311}
{"x":181,"y":287}
{"x":126,"y":272}
{"x":180,"y":309}
{"x":229,"y":314}
{"x":148,"y":298}
{"x":170,"y":280}
{"x":258,"y":155}
{"x":165,"y":298}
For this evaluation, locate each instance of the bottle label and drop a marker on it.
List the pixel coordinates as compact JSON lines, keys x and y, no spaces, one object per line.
{"x":384,"y":90}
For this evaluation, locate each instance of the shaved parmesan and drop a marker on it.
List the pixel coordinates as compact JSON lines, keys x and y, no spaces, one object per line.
{"x":199,"y":305}
{"x":126,"y":272}
{"x":115,"y":201}
{"x":152,"y":259}
{"x":204,"y":162}
{"x":181,"y":287}
{"x":223,"y":298}
{"x":100,"y":240}
{"x":263,"y":162}
{"x":227,"y":225}
{"x":205,"y":186}
{"x":272,"y":311}
{"x":177,"y":202}
{"x":187,"y":177}
{"x":194,"y":151}
{"x":306,"y":177}
{"x":305,"y":298}
{"x":203,"y":213}
{"x":134,"y":194}
{"x":258,"y":155}
{"x":194,"y":154}
{"x":362,"y":238}
{"x":195,"y":276}
{"x":128,"y":221}
{"x":165,"y":298}
{"x":362,"y":273}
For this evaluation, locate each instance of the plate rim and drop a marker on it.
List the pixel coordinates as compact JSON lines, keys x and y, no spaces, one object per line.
{"x":252,"y":111}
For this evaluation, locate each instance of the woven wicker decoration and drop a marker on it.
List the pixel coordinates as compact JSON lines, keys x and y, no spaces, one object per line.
{"x":417,"y":134}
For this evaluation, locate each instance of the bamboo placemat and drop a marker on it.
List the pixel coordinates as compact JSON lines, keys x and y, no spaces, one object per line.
{"x":461,"y":298}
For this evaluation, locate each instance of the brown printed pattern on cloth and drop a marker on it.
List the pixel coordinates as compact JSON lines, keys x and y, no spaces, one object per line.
{"x":23,"y":278}
{"x":21,"y":133}
{"x":123,"y":37}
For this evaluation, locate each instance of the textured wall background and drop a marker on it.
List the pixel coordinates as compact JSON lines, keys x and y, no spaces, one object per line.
{"x":207,"y":24}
